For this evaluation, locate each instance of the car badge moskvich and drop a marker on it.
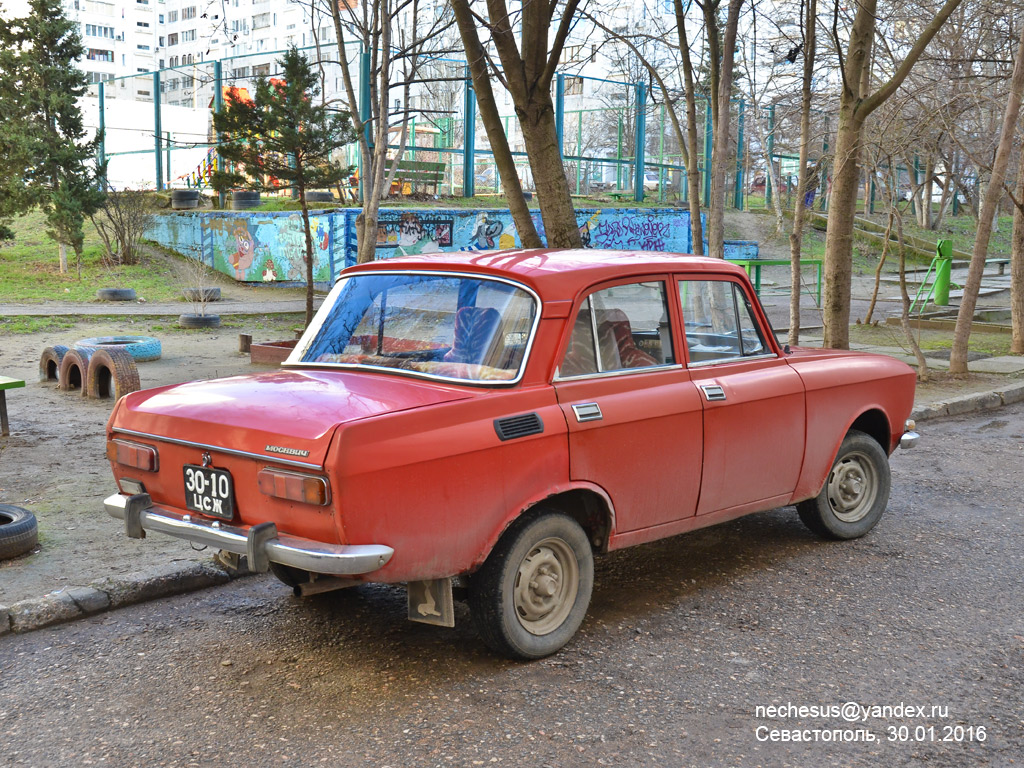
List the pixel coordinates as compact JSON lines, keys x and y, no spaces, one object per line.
{"x":286,"y":451}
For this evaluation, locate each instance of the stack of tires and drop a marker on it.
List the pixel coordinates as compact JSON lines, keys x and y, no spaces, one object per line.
{"x":184,"y":199}
{"x":244,"y":199}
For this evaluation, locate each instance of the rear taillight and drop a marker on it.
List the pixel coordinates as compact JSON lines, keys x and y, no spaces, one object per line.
{"x":135,"y":455}
{"x":294,"y":486}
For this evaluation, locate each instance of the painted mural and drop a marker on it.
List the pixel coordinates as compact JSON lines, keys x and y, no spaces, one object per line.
{"x":259,"y":247}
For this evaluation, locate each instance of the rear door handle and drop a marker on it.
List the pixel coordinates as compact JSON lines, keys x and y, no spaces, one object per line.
{"x":713,"y":392}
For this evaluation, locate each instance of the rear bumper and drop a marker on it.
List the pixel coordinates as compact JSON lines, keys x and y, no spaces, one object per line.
{"x":262,"y":544}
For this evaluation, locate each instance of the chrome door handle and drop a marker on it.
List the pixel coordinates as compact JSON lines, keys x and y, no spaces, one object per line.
{"x":587,"y":412}
{"x":713,"y":392}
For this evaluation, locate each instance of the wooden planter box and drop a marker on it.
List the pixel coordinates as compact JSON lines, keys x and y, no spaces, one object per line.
{"x":271,"y":352}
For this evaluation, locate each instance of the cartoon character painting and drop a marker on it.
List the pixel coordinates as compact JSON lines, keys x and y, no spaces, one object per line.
{"x":242,"y":259}
{"x":485,"y":232}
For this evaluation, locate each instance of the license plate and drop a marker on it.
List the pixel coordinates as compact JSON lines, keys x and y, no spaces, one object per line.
{"x":209,"y":491}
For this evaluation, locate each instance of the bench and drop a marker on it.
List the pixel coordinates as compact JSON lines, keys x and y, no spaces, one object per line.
{"x":1001,"y":263}
{"x":413,"y":172}
{"x":6,"y":383}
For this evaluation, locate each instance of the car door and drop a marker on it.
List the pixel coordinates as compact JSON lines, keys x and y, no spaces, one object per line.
{"x":634,"y":417}
{"x":753,"y":401}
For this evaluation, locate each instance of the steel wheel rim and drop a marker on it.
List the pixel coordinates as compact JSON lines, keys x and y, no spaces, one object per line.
{"x":852,"y":487}
{"x":546,"y":586}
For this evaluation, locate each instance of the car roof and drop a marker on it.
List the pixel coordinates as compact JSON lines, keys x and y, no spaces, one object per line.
{"x":555,"y":274}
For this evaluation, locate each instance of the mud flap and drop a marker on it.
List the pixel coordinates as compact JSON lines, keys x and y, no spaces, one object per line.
{"x":430,"y":602}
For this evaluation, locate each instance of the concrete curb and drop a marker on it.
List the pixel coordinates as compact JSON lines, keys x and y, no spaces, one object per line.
{"x":977,"y":401}
{"x":70,"y":603}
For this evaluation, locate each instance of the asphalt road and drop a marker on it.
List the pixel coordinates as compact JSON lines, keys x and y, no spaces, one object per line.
{"x":685,"y":639}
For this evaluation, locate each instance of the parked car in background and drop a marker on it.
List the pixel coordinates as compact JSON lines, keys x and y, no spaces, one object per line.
{"x":480,"y":426}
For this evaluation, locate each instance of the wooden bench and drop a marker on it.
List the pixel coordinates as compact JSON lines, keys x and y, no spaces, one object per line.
{"x":6,"y":383}
{"x":413,"y":172}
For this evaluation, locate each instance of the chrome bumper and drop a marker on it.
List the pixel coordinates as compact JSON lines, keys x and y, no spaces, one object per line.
{"x":261,"y":544}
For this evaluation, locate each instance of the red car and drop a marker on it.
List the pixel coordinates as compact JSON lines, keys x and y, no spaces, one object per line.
{"x":481,"y":425}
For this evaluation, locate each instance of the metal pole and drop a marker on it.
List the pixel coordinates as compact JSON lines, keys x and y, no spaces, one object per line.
{"x":661,"y":156}
{"x":167,"y":151}
{"x":579,"y":150}
{"x":618,"y":157}
{"x":157,"y":132}
{"x":101,"y":149}
{"x":737,"y":198}
{"x":943,"y":268}
{"x":560,"y":112}
{"x":771,"y":152}
{"x":707,"y":153}
{"x":364,"y":114}
{"x":469,"y":143}
{"x":640,"y":142}
{"x":218,"y":106}
{"x":823,"y":181}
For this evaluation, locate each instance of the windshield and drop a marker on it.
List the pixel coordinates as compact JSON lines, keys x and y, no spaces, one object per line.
{"x":448,"y":326}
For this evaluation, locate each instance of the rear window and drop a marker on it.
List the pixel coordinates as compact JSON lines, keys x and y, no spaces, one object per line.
{"x":451,"y":327}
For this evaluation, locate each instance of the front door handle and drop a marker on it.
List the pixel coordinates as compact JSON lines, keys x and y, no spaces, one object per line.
{"x":713,"y":392}
{"x":587,"y":412}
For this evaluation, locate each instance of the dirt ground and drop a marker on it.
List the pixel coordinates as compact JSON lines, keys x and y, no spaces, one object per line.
{"x":54,"y":462}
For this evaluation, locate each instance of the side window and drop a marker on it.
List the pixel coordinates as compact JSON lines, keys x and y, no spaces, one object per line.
{"x":619,"y":328}
{"x":719,"y":321}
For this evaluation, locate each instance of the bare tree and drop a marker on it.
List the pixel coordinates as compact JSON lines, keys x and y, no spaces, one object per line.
{"x":989,"y":209}
{"x":856,"y":103}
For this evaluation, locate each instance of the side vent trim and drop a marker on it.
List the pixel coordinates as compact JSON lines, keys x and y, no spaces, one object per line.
{"x":512,"y":427}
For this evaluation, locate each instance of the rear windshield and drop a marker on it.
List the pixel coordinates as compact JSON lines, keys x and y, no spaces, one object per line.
{"x":444,"y":326}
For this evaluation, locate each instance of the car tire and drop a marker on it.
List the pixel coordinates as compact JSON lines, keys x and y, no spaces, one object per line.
{"x":112,"y":373}
{"x":74,"y":369}
{"x":49,"y":362}
{"x":19,"y":531}
{"x":290,"y":577}
{"x":855,"y":493}
{"x":531,"y":594}
{"x":141,"y":348}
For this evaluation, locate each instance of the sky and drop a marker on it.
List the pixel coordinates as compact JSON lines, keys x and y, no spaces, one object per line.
{"x":12,"y":9}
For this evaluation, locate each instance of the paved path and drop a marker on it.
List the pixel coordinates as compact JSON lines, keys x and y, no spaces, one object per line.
{"x":267,"y":306}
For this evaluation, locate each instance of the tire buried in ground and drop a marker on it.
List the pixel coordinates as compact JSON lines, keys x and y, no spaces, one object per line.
{"x":74,"y":368}
{"x":112,"y":373}
{"x":19,"y":531}
{"x":116,"y":294}
{"x":198,"y":321}
{"x":49,"y":362}
{"x":142,"y":348}
{"x":201,"y":294}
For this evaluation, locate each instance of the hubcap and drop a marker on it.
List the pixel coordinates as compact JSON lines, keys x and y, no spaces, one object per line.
{"x":852,"y":487}
{"x":546,"y":586}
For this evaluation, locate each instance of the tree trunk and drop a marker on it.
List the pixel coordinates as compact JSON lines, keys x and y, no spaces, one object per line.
{"x":1017,"y":267}
{"x":62,"y":251}
{"x":506,"y":164}
{"x":556,"y":208}
{"x":989,"y":209}
{"x":839,"y":236}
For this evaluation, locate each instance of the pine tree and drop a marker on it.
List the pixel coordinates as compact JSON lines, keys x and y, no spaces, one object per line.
{"x":283,"y":138}
{"x":48,"y":162}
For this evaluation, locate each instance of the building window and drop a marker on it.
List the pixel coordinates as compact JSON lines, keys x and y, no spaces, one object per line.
{"x":172,"y":39}
{"x":188,"y":13}
{"x":188,"y":36}
{"x":572,"y":53}
{"x":144,"y":24}
{"x":161,"y":18}
{"x":97,"y":54}
{"x":574,"y":86}
{"x":99,"y":77}
{"x":172,"y":16}
{"x":95,"y":30}
{"x":240,"y":72}
{"x":261,"y":70}
{"x":142,"y":47}
{"x":163,"y":41}
{"x":261,"y":20}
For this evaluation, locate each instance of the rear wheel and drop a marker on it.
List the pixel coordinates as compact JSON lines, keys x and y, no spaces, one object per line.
{"x":856,"y":491}
{"x":532,"y":593}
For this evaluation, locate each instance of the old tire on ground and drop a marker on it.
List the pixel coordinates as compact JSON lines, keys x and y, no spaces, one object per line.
{"x":182,"y":199}
{"x":289,"y":576}
{"x":198,"y":321}
{"x":112,"y":373}
{"x":74,"y":368}
{"x":116,"y":294}
{"x":531,"y":594}
{"x":316,"y":196}
{"x":19,"y":531}
{"x":142,"y":348}
{"x":856,"y":491}
{"x":201,"y":294}
{"x":244,"y":199}
{"x":49,"y":362}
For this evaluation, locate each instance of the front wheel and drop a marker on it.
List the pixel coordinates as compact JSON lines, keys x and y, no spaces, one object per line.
{"x":531,"y":594}
{"x":856,"y":491}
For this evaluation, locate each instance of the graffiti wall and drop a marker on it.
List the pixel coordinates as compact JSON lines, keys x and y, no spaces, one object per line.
{"x":270,"y":247}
